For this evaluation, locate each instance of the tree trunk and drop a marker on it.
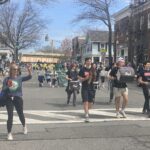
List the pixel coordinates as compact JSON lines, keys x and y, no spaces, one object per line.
{"x":110,"y":45}
{"x":16,"y":55}
{"x":110,"y":36}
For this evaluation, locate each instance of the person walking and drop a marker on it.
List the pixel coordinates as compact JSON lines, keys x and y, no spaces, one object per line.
{"x":41,"y":77}
{"x":120,"y":88}
{"x":86,"y":77}
{"x":144,"y":80}
{"x":95,"y":80}
{"x":12,"y":85}
{"x":71,"y":75}
{"x":111,"y":84}
{"x":103,"y":75}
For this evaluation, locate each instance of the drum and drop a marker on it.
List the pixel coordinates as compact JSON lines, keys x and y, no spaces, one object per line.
{"x":127,"y":74}
{"x":74,"y":85}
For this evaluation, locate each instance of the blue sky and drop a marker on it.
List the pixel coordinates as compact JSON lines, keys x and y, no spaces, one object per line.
{"x":59,"y":16}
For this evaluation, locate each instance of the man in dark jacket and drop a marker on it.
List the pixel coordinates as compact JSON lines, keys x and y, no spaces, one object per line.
{"x":120,"y":88}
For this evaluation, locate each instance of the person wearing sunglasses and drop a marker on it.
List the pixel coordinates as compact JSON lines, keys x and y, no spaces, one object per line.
{"x":12,"y":86}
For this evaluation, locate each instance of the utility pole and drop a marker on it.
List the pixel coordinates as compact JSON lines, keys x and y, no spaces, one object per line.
{"x":52,"y":45}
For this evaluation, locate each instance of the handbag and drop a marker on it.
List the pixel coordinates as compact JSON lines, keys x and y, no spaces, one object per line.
{"x":3,"y":99}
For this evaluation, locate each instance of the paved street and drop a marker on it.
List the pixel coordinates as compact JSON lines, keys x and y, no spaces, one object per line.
{"x":52,"y":124}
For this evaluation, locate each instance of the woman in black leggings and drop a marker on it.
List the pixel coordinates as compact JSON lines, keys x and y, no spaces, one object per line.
{"x":12,"y":87}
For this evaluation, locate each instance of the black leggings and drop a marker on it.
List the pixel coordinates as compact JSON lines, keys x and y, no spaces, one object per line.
{"x":18,"y":103}
{"x":146,"y":96}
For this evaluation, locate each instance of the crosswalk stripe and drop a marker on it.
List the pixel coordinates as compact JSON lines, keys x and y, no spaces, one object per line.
{"x":53,"y":115}
{"x":73,"y":116}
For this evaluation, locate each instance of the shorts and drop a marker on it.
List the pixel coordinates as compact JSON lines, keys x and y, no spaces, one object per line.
{"x":120,"y":91}
{"x":48,"y":80}
{"x":87,"y":95}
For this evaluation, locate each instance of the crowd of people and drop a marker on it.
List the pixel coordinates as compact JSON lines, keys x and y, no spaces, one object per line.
{"x":118,"y":76}
{"x":89,"y":77}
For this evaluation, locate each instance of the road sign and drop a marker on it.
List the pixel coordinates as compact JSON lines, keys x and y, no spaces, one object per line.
{"x":103,"y":50}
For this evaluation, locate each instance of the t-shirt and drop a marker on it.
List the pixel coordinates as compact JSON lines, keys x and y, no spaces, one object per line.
{"x":47,"y":75}
{"x":145,"y":74}
{"x":117,"y":82}
{"x":83,"y":73}
{"x":73,"y":74}
{"x":13,"y":86}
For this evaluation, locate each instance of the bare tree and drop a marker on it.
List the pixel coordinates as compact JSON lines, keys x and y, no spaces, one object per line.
{"x":97,"y":10}
{"x":19,"y":29}
{"x":3,"y":1}
{"x":44,"y":2}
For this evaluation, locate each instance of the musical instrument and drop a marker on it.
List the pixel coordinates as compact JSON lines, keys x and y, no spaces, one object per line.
{"x":127,"y":74}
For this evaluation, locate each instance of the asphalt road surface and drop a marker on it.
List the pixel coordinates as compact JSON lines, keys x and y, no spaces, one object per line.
{"x":52,"y":124}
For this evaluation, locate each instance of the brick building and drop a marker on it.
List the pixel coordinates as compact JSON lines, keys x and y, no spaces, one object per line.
{"x":132,"y":32}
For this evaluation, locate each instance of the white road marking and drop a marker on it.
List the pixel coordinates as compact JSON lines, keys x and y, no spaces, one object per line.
{"x":72,"y":116}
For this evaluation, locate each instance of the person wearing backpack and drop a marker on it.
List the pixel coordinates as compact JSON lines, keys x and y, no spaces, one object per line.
{"x":120,"y":88}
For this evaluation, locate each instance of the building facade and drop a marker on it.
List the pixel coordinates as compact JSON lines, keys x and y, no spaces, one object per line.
{"x":6,"y":54}
{"x":132,"y":32}
{"x":96,"y":46}
{"x":77,"y":47}
{"x":51,"y":58}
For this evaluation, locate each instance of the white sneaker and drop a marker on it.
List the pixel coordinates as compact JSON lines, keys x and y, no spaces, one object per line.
{"x":117,"y":115}
{"x":87,"y":118}
{"x":9,"y":137}
{"x":123,"y":114}
{"x":25,"y":131}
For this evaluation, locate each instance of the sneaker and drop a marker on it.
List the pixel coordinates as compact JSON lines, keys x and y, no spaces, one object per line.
{"x":9,"y":137}
{"x":144,"y":112}
{"x":25,"y":131}
{"x":87,"y":118}
{"x":117,"y":115}
{"x":123,"y":114}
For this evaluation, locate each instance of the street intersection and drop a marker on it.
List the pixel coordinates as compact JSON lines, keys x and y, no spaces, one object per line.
{"x":52,"y":124}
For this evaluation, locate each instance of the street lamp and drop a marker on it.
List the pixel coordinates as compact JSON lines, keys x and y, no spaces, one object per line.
{"x":3,"y":1}
{"x":52,"y":42}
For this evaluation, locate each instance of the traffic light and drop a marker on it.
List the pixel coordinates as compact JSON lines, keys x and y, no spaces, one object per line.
{"x":46,"y":38}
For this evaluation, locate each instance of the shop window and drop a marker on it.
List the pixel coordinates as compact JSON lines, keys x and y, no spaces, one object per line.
{"x":122,"y":52}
